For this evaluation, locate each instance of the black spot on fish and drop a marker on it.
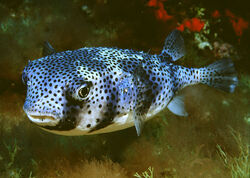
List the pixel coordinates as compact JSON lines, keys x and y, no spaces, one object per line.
{"x":63,"y":125}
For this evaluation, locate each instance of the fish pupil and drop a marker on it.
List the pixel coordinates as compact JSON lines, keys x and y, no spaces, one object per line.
{"x":83,"y":92}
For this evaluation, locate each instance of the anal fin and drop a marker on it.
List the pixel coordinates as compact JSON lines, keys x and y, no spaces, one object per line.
{"x":138,"y":121}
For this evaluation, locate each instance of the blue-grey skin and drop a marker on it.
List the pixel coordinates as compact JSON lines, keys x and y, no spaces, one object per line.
{"x":98,"y":90}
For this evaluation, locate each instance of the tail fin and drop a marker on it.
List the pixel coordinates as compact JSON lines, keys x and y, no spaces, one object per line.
{"x":221,"y":75}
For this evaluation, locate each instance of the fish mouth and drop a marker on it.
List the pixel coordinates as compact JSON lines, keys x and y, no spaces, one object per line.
{"x":43,"y":120}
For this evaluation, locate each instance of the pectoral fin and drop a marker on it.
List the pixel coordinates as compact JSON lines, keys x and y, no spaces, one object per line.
{"x":177,"y":106}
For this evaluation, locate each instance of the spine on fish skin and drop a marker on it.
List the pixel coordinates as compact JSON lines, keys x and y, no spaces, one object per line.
{"x":220,"y":74}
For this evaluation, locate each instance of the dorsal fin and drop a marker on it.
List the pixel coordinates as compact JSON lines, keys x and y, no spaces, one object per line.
{"x":48,"y":49}
{"x":174,"y":47}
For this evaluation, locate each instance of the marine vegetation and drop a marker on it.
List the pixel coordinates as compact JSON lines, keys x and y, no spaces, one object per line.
{"x":146,"y":174}
{"x":239,"y":166}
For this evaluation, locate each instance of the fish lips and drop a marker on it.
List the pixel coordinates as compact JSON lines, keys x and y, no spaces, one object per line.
{"x":50,"y":123}
{"x":43,"y":120}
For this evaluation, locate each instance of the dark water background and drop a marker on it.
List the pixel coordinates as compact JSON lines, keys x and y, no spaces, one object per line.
{"x":172,"y":145}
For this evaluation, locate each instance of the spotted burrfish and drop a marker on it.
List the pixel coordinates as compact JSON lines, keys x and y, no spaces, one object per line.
{"x":96,"y":90}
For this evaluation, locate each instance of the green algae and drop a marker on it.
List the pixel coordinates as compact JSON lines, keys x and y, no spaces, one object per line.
{"x":240,"y":165}
{"x":146,"y":174}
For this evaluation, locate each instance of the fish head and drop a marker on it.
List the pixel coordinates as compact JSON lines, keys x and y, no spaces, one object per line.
{"x":71,"y":97}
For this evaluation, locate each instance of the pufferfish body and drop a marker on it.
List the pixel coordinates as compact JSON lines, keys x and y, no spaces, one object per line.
{"x":98,"y":90}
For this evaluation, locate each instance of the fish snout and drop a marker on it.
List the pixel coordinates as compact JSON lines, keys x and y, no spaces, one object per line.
{"x":42,"y":118}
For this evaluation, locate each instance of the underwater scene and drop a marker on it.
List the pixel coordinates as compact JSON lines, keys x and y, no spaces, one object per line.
{"x":211,"y":142}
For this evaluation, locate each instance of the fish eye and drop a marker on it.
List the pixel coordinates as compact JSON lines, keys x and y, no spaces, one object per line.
{"x":83,"y":92}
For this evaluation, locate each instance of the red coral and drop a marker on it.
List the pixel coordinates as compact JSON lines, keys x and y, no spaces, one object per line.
{"x":216,"y":14}
{"x":160,"y":12}
{"x":239,"y":26}
{"x":197,"y":24}
{"x":181,"y":27}
{"x":187,"y":24}
{"x":238,"y":23}
{"x":230,"y":14}
{"x":153,"y":3}
{"x":194,"y":25}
